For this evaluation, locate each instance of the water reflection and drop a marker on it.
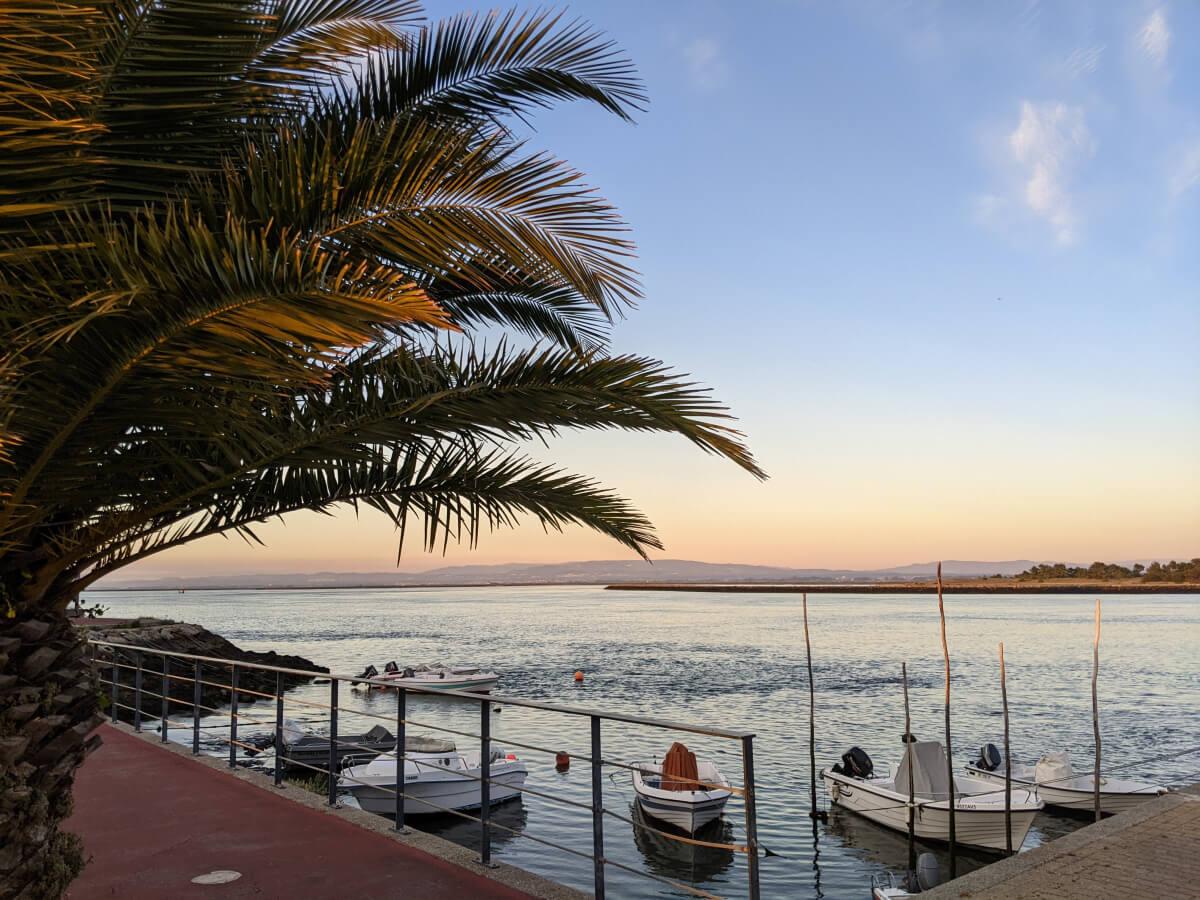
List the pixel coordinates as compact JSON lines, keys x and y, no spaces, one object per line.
{"x":678,"y":860}
{"x":510,"y":816}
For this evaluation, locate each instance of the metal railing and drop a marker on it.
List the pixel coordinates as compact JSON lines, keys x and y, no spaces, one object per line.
{"x":132,"y":661}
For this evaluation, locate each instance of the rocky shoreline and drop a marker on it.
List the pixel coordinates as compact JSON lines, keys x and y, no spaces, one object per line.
{"x":195,"y":640}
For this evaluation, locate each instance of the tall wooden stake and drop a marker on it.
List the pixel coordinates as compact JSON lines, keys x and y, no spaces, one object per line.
{"x":1007,"y":761}
{"x":949,"y":754}
{"x":1096,"y":712}
{"x":912,"y":787}
{"x":812,"y":722}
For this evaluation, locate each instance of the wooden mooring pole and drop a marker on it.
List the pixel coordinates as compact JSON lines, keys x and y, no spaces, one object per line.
{"x":814,"y":813}
{"x":1007,"y":760}
{"x":912,"y":788}
{"x":949,"y":752}
{"x":1096,"y":712}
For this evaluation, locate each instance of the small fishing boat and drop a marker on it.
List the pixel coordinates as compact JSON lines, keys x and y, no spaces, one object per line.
{"x":431,"y":677}
{"x":303,"y":749}
{"x":680,"y":789}
{"x":1052,"y":779}
{"x":437,"y":777}
{"x":978,"y":806}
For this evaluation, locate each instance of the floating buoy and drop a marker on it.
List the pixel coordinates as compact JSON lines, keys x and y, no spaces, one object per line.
{"x":578,"y":675}
{"x":511,"y":756}
{"x":562,"y":760}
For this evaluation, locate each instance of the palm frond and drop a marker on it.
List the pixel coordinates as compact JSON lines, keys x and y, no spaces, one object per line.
{"x":483,"y":67}
{"x":47,"y":63}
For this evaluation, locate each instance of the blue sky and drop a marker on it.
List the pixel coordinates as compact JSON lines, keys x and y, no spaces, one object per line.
{"x":940,"y":259}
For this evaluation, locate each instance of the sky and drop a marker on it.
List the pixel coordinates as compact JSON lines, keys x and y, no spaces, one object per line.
{"x":939,"y":259}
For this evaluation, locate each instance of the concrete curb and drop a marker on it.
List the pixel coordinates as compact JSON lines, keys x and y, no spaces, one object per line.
{"x":509,"y":876}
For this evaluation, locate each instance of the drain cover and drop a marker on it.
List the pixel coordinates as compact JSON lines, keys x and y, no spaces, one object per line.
{"x":221,"y":876}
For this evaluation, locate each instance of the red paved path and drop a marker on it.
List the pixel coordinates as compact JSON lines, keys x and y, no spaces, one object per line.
{"x":153,"y":820}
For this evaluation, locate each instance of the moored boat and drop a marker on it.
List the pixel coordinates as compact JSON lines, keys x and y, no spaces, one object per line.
{"x":437,"y":777}
{"x":687,"y":794}
{"x":431,"y":677}
{"x":1052,"y":779}
{"x":303,"y":749}
{"x":978,"y":805}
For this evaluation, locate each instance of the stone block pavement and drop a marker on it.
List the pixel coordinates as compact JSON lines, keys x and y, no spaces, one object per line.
{"x":1150,"y":852}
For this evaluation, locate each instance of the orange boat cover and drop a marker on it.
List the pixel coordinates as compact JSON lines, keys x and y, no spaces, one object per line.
{"x":679,"y":769}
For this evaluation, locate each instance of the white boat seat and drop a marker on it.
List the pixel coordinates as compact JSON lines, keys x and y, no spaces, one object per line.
{"x":927,"y":771}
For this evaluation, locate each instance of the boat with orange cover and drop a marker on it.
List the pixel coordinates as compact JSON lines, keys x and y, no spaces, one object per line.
{"x":680,"y":790}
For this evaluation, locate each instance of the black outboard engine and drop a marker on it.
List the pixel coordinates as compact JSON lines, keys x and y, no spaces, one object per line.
{"x":856,"y":762}
{"x":408,"y":673}
{"x":391,"y":667}
{"x":368,"y":672}
{"x":989,"y":758}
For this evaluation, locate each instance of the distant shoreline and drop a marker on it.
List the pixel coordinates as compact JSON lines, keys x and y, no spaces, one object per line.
{"x":926,"y":587}
{"x":893,"y":587}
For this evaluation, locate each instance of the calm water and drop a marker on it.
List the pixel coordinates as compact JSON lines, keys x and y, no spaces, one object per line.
{"x":737,"y":661}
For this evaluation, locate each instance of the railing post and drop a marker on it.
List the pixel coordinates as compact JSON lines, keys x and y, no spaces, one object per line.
{"x":278,"y":729}
{"x":196,"y":672}
{"x":485,"y":786}
{"x":751,"y":817}
{"x":166,"y":693}
{"x":401,"y":715}
{"x":333,"y":741}
{"x":113,"y":651}
{"x":233,"y":714}
{"x":597,"y":811}
{"x":137,"y":694}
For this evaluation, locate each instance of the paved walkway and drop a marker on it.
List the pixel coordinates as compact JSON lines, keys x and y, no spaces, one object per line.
{"x":153,"y":819}
{"x":1149,"y":852}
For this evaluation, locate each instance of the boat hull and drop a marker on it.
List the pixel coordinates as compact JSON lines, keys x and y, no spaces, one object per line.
{"x":689,"y":817}
{"x":479,"y":685}
{"x":432,"y":795}
{"x":977,"y":822}
{"x":1082,"y":799}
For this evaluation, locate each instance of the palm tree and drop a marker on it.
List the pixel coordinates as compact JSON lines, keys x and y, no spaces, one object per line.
{"x":244,"y":248}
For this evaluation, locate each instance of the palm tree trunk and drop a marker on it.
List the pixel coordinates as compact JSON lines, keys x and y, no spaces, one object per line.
{"x":47,"y":711}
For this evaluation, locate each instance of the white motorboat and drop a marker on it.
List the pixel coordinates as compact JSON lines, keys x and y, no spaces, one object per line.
{"x":1052,"y":779}
{"x":978,"y":805}
{"x":431,"y":677}
{"x":689,"y":810}
{"x":437,"y":777}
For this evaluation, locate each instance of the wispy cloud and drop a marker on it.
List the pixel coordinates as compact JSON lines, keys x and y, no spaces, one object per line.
{"x":1083,"y":60}
{"x":1186,"y":172}
{"x":1051,"y":139}
{"x":1155,"y":38}
{"x":706,"y":63}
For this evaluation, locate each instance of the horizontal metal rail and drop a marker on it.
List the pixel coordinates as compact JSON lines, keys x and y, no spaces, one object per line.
{"x":582,"y":712}
{"x":108,"y":655}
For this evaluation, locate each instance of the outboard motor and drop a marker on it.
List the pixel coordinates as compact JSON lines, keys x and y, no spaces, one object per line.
{"x":408,"y":672}
{"x":368,"y":672}
{"x":989,"y":758}
{"x":928,"y":875}
{"x":856,"y":762}
{"x":391,"y":667}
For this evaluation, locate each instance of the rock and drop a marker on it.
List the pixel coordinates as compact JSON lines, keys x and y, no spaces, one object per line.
{"x":195,"y":640}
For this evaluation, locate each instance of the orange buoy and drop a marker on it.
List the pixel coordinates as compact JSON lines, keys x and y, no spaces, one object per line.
{"x":562,"y":761}
{"x":578,"y":675}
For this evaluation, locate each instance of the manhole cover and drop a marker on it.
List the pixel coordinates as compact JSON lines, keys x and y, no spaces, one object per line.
{"x":221,"y":876}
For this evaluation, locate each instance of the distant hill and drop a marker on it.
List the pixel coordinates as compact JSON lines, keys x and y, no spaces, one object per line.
{"x":593,"y":572}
